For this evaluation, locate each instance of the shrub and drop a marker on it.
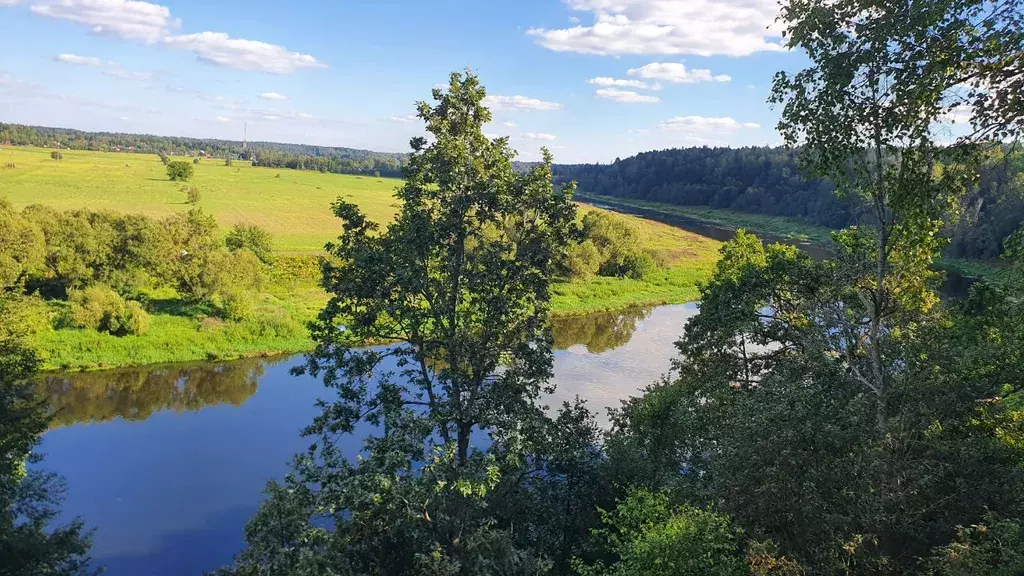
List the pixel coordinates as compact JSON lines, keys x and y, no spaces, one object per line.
{"x":255,"y":239}
{"x":582,"y":260}
{"x":56,"y":155}
{"x":195,"y":161}
{"x":164,"y":158}
{"x":100,"y":308}
{"x":192,"y":195}
{"x":180,"y":171}
{"x":228,"y":161}
{"x":651,"y":538}
{"x":637,"y":265}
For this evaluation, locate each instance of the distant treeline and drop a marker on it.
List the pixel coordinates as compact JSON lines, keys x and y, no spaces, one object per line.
{"x":370,"y":163}
{"x":272,"y":154}
{"x":763,"y":180}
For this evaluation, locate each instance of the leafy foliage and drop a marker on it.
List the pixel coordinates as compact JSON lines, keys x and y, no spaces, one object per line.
{"x":253,"y":238}
{"x":30,"y":497}
{"x":100,"y":308}
{"x":180,"y":170}
{"x":650,"y":537}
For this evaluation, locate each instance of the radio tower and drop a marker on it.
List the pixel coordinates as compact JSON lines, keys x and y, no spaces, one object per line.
{"x":245,"y":135}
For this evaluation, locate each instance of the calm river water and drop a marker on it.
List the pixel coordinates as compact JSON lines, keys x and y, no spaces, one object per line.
{"x":168,"y":462}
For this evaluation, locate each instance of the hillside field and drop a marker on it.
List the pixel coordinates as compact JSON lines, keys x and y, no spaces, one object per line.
{"x":294,"y":206}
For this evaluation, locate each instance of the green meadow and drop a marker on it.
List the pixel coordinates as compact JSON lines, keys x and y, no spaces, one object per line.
{"x":294,"y":206}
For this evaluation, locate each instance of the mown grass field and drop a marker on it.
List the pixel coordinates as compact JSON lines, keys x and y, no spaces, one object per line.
{"x":294,"y":206}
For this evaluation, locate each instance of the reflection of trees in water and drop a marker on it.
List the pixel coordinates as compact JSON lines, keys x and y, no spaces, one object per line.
{"x":135,"y":394}
{"x":598,"y":332}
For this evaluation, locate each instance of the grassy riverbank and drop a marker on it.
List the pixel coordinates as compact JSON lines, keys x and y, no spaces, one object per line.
{"x":294,"y":206}
{"x":778,"y":226}
{"x":786,"y":228}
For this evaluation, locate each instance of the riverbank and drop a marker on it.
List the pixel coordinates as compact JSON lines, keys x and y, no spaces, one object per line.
{"x":291,"y":298}
{"x":777,"y":227}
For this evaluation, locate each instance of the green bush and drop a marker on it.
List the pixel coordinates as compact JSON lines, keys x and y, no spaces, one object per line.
{"x":192,"y":195}
{"x":100,"y":308}
{"x":180,"y":171}
{"x":637,"y":265}
{"x":255,"y":239}
{"x":651,"y":538}
{"x":582,"y":260}
{"x":56,"y":155}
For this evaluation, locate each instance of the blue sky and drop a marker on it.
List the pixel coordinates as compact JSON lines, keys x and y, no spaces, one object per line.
{"x":590,"y":79}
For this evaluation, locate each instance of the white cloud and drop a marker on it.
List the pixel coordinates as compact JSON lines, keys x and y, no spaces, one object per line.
{"x":606,"y":81}
{"x":407,"y":119}
{"x":130,"y":19}
{"x":539,"y":136}
{"x":271,"y":117}
{"x":701,"y":27}
{"x":222,"y":119}
{"x":491,"y":136}
{"x":273,"y":96}
{"x":80,"y":60}
{"x":222,"y":50}
{"x":305,"y":116}
{"x":125,"y":75}
{"x":508,"y":124}
{"x":9,"y":2}
{"x":677,"y":73}
{"x":626,"y":96}
{"x":153,"y":24}
{"x":519,"y":103}
{"x":704,"y":124}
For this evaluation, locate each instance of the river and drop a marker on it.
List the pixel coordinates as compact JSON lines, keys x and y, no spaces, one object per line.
{"x":168,"y":462}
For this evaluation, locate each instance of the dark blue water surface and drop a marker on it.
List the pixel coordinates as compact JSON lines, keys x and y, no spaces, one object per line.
{"x":168,"y":463}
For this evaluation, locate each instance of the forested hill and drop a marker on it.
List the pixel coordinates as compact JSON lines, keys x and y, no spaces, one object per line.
{"x":273,"y":154}
{"x":766,"y":180}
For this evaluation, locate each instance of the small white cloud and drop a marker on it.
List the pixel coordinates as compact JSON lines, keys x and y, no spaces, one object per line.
{"x":129,"y":19}
{"x":273,"y":96}
{"x":125,"y":75}
{"x":271,"y":117}
{"x":704,"y":124}
{"x":508,"y":124}
{"x":539,"y":136}
{"x":407,"y":119}
{"x":305,"y":116}
{"x":124,"y":118}
{"x":79,"y":60}
{"x":222,"y":50}
{"x":222,"y":119}
{"x":9,"y":2}
{"x":677,"y":73}
{"x":519,"y":103}
{"x":491,"y":136}
{"x":615,"y":82}
{"x":626,"y":96}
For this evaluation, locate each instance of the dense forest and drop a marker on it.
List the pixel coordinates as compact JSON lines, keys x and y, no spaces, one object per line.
{"x":272,"y":154}
{"x":766,"y":180}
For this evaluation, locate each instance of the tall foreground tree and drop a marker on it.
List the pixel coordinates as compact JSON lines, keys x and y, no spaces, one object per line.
{"x":837,"y":409}
{"x":29,"y":497}
{"x":457,"y":288}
